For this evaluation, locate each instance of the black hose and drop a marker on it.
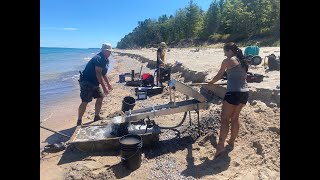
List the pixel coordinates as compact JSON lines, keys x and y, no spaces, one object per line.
{"x":183,"y":119}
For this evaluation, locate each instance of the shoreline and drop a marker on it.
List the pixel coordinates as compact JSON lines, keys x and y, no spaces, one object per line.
{"x":61,"y":114}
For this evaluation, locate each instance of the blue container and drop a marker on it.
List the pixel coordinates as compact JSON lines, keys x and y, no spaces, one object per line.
{"x":122,"y":78}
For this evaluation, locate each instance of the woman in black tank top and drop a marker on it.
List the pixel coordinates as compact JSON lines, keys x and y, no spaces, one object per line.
{"x":233,"y":101}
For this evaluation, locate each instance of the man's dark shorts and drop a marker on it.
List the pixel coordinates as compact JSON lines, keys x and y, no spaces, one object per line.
{"x":89,"y":91}
{"x":235,"y":98}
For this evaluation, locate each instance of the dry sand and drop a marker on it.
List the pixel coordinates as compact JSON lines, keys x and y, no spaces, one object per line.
{"x":257,"y":150}
{"x":206,"y":60}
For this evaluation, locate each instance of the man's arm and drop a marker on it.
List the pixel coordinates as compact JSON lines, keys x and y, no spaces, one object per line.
{"x":220,"y":73}
{"x":159,"y":57}
{"x":99,"y":77}
{"x":107,"y":81}
{"x":161,"y":61}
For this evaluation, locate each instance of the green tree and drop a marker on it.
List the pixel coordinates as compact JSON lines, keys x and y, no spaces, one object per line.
{"x":226,"y":18}
{"x":242,"y":18}
{"x":212,"y":19}
{"x":195,"y":20}
{"x":261,"y":9}
{"x":180,"y":24}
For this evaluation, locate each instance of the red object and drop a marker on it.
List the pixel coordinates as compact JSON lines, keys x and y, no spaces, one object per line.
{"x":145,"y":76}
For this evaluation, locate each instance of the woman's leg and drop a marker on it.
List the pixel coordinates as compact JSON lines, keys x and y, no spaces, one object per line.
{"x":235,"y":124}
{"x":227,"y":111}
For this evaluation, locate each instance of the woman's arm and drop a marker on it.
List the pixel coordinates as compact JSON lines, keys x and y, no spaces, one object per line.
{"x":220,"y":73}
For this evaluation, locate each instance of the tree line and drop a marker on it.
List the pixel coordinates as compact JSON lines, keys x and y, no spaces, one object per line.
{"x":225,"y":20}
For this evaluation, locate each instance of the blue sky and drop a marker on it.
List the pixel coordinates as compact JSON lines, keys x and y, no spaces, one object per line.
{"x":89,"y":23}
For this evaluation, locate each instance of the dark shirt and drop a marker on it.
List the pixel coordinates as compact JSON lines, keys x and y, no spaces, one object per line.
{"x":89,"y":73}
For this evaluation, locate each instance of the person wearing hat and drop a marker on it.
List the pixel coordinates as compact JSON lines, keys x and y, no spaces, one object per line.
{"x":161,"y":52}
{"x":90,"y":79}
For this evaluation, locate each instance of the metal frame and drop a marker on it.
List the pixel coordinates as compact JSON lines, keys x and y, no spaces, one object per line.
{"x":173,"y":107}
{"x":166,"y":109}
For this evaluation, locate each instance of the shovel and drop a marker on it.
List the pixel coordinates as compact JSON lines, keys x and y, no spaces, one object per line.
{"x":140,"y":71}
{"x":55,"y":132}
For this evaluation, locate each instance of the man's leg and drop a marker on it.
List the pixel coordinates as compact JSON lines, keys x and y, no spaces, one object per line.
{"x":86,"y":97}
{"x":97,"y":109}
{"x":99,"y":95}
{"x":82,"y":109}
{"x":158,"y":76}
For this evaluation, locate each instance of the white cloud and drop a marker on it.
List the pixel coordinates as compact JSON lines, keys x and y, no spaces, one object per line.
{"x":70,"y":29}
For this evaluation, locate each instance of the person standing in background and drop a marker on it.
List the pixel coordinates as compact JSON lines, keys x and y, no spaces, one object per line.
{"x":161,"y":52}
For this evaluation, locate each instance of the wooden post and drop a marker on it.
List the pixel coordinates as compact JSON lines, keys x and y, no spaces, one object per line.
{"x":198,"y":113}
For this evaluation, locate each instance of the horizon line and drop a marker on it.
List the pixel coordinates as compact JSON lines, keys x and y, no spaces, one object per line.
{"x":70,"y":47}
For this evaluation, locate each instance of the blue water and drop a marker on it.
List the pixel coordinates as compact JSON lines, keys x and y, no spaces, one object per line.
{"x":59,"y":73}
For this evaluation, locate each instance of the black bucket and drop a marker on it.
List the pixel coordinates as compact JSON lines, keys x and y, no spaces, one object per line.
{"x":122,"y":78}
{"x":128,"y":103}
{"x":130,"y":151}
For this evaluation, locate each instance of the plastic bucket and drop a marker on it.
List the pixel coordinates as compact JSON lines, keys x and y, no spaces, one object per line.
{"x":122,"y":78}
{"x":130,"y":151}
{"x":128,"y":103}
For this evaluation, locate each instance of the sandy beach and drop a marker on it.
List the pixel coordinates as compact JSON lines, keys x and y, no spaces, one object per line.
{"x":256,"y":154}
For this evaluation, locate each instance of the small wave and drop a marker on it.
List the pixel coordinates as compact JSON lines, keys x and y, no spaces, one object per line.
{"x":87,"y":58}
{"x":75,"y":76}
{"x":47,"y":76}
{"x":41,"y":121}
{"x":65,"y":79}
{"x":70,"y":76}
